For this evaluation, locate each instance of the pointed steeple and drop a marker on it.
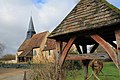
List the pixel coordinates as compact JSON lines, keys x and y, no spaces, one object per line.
{"x":31,"y":30}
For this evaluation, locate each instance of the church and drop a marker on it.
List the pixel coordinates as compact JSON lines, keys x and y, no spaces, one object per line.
{"x":36,"y":47}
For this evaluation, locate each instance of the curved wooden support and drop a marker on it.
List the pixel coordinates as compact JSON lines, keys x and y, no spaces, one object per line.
{"x":113,"y":44}
{"x":107,"y":47}
{"x":66,"y":49}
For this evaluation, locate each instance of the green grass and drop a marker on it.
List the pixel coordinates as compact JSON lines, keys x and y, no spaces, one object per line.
{"x":109,"y":70}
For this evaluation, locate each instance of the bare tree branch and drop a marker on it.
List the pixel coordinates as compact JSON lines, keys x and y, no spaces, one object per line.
{"x":2,"y":47}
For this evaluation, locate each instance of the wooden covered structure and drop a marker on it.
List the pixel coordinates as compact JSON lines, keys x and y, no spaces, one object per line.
{"x":91,"y":22}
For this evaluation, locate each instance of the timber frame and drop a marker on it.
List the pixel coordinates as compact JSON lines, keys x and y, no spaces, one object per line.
{"x":91,"y":22}
{"x":114,"y":54}
{"x":85,"y":58}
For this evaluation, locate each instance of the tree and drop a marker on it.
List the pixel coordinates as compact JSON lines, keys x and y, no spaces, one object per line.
{"x":8,"y":57}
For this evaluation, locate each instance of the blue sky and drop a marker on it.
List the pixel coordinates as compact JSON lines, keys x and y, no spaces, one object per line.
{"x":39,"y":1}
{"x":47,"y":14}
{"x":115,"y":2}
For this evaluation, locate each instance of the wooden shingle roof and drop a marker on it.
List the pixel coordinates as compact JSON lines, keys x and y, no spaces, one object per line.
{"x":88,"y":15}
{"x":30,"y":44}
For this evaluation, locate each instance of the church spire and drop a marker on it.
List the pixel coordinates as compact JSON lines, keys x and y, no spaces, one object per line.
{"x":31,"y":30}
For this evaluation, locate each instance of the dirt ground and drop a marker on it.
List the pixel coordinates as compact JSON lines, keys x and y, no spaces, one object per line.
{"x":13,"y":74}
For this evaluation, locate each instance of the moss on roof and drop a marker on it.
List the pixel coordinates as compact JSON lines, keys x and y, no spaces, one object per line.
{"x":111,"y":6}
{"x":88,"y":17}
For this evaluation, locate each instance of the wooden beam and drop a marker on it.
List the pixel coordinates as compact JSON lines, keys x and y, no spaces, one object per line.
{"x":117,"y":34}
{"x":84,"y":48}
{"x":94,"y":48}
{"x":85,"y":64}
{"x":78,"y":48}
{"x":75,"y":57}
{"x":113,"y":44}
{"x":87,"y":56}
{"x":59,"y":47}
{"x":107,"y":47}
{"x":58,"y":55}
{"x":66,"y":49}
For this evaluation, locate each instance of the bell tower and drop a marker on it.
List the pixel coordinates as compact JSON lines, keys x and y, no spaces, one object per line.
{"x":31,"y":30}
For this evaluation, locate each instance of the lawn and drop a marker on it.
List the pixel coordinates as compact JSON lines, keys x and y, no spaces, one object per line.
{"x":109,"y":70}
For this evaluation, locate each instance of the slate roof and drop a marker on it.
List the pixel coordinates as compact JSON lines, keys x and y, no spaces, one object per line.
{"x":31,"y":43}
{"x":31,"y":30}
{"x":31,"y":25}
{"x":88,"y":15}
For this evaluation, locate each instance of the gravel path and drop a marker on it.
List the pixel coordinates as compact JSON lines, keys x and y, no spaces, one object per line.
{"x":12,"y":74}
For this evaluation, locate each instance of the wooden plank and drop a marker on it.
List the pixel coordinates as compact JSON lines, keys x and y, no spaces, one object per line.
{"x":94,"y":48}
{"x":107,"y":47}
{"x":84,"y":48}
{"x":87,"y":56}
{"x":117,"y":34}
{"x":66,"y":49}
{"x":78,"y":48}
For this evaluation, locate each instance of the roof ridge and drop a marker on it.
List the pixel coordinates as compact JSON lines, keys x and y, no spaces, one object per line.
{"x":88,"y":15}
{"x":41,"y":33}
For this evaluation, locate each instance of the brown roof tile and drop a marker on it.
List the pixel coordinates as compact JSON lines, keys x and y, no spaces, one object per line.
{"x":24,"y":44}
{"x":50,"y":44}
{"x":87,"y":15}
{"x":34,"y":42}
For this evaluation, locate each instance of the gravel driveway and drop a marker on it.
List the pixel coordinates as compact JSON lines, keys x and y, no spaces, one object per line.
{"x":12,"y":74}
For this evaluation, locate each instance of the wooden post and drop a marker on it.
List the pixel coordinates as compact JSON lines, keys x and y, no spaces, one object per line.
{"x":66,"y":49}
{"x":94,"y":48}
{"x":63,"y":56}
{"x":78,"y":48}
{"x":58,"y":47}
{"x":85,"y":64}
{"x":84,"y":48}
{"x":117,"y":34}
{"x":107,"y":47}
{"x":24,"y":76}
{"x":58,"y":55}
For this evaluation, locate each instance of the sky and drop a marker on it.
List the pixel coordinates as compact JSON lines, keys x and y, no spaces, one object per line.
{"x":47,"y":14}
